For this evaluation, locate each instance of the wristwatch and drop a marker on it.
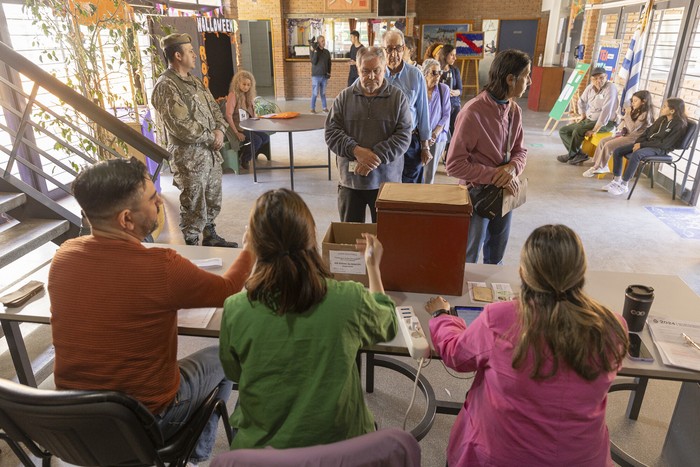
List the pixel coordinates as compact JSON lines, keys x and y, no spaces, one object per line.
{"x":439,"y":312}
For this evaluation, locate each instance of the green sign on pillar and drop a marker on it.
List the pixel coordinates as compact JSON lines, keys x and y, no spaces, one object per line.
{"x":568,"y":92}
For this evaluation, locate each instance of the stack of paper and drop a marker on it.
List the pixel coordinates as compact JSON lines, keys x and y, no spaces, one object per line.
{"x":672,"y":346}
{"x":208,"y":263}
{"x":499,"y":292}
{"x":194,"y":317}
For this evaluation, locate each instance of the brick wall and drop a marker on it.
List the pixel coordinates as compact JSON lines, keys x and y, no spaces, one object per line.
{"x":589,"y":35}
{"x":293,"y":79}
{"x":230,"y":8}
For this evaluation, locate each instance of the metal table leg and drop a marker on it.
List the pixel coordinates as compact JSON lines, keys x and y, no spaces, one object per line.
{"x":18,"y":352}
{"x":291,"y":159}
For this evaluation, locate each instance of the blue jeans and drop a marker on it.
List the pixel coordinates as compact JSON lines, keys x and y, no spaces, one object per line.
{"x":492,"y":235}
{"x":633,"y":159}
{"x":412,"y":164}
{"x":318,"y":85}
{"x":200,"y":373}
{"x":259,"y":139}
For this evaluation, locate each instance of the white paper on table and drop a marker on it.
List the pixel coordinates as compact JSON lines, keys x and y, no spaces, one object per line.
{"x":347,"y":262}
{"x":470,"y":287}
{"x":208,"y":263}
{"x":667,"y":335}
{"x":194,"y":317}
{"x":502,"y":291}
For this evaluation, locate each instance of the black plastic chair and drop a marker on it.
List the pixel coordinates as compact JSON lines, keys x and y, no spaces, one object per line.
{"x":671,"y":159}
{"x":90,"y":428}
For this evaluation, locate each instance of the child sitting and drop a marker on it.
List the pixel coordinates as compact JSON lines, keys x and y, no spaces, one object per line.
{"x":657,"y":140}
{"x":637,"y":118}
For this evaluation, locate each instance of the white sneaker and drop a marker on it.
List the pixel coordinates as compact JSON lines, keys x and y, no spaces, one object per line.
{"x":610,"y":185}
{"x":590,"y":172}
{"x":618,"y":189}
{"x":603,"y":170}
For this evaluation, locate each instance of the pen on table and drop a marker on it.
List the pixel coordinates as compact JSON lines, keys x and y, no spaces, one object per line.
{"x":690,"y":340}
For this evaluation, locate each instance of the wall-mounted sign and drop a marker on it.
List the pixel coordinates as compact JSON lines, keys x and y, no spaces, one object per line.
{"x":206,"y":24}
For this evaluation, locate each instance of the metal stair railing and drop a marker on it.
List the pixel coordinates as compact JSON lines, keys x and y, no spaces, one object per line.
{"x":23,"y":142}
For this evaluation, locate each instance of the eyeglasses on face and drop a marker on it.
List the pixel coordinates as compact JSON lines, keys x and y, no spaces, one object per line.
{"x":435,"y":72}
{"x":396,"y":49}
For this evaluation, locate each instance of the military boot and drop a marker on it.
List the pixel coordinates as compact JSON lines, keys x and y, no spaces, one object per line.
{"x":191,"y":240}
{"x":211,"y":238}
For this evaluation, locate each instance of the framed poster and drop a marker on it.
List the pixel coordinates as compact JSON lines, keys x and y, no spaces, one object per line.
{"x":490,"y":27}
{"x":469,"y":44}
{"x":443,"y":33}
{"x":347,"y":6}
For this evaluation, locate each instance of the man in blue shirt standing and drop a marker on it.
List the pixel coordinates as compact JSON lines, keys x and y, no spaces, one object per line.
{"x":410,"y":80}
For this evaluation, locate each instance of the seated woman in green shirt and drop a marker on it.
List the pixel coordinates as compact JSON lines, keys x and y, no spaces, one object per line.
{"x":291,"y":338}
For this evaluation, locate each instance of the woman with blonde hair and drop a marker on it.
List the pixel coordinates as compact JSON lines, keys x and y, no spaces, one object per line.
{"x":290,"y":340}
{"x":544,"y":364}
{"x":240,"y":106}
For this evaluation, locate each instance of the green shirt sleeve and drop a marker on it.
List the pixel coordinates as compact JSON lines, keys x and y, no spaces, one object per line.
{"x":378,"y":322}
{"x":229,"y":359}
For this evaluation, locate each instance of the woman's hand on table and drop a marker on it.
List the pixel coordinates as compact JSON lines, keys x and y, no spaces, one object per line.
{"x":436,"y":303}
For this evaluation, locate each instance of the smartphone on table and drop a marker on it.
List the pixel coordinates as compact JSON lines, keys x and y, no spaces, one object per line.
{"x":638,"y":351}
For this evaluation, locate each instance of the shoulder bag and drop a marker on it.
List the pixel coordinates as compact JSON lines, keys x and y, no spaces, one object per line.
{"x":490,"y":201}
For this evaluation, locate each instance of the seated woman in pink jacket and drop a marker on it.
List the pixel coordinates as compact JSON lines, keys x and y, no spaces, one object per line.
{"x":543,"y":363}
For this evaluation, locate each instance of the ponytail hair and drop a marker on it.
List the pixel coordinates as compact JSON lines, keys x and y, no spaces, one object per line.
{"x":290,"y":275}
{"x":559,"y":322}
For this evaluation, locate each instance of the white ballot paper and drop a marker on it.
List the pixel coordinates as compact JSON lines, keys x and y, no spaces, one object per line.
{"x":675,"y":350}
{"x":208,"y":263}
{"x":194,"y":317}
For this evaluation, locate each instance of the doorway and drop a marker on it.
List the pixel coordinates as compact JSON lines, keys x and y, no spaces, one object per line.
{"x":256,"y":54}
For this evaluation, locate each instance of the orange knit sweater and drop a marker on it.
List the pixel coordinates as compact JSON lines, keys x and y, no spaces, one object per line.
{"x":114,"y":314}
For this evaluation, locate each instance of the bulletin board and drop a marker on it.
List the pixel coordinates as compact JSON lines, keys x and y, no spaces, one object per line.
{"x":441,"y":32}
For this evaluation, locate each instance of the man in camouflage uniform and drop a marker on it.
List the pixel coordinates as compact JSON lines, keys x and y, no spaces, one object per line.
{"x":195,"y":128}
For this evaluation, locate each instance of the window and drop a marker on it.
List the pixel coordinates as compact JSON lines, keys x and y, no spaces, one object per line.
{"x":664,"y":31}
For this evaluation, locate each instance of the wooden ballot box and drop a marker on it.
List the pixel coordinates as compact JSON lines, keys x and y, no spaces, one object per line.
{"x":423,"y":229}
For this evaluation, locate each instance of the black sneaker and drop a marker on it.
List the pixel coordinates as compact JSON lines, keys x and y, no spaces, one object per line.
{"x":564,"y":158}
{"x":578,"y":158}
{"x":211,"y":238}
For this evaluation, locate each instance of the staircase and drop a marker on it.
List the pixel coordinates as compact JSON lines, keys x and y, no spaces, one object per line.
{"x":37,"y":209}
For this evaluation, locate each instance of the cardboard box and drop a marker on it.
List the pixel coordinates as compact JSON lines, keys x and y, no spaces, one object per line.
{"x":339,"y":253}
{"x":424,"y":230}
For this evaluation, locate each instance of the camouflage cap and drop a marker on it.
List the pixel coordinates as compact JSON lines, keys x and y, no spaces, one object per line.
{"x":175,"y":39}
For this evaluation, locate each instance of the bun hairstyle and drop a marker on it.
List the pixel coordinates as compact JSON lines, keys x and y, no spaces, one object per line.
{"x":558,"y":320}
{"x":290,"y":275}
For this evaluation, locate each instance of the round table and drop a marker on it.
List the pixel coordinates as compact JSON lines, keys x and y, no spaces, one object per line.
{"x":302,"y":122}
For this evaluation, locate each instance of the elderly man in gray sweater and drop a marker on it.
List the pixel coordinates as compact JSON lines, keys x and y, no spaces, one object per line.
{"x":369,"y":129}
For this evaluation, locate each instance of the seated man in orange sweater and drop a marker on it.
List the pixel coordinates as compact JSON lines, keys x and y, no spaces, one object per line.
{"x":114,"y":303}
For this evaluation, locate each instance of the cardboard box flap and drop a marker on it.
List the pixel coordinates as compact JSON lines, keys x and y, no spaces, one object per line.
{"x":345,"y":233}
{"x":420,"y":197}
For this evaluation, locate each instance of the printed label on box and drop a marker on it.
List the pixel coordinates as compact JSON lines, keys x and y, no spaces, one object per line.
{"x":347,"y":262}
